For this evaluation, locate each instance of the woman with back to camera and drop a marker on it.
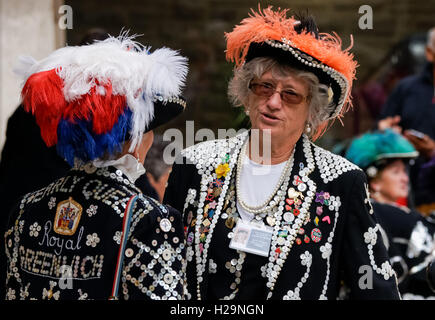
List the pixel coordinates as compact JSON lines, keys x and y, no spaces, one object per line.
{"x":384,"y":156}
{"x":307,"y":210}
{"x":92,"y":234}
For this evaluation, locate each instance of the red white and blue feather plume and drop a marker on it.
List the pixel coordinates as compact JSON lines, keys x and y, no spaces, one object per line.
{"x":97,"y":85}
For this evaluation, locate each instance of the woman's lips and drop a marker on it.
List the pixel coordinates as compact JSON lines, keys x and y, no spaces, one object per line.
{"x":268,"y":118}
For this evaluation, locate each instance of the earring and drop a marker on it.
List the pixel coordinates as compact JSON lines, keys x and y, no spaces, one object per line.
{"x":247,"y":111}
{"x":308,"y":128}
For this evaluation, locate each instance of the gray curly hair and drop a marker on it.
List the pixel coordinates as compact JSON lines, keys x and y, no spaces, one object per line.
{"x":320,"y":106}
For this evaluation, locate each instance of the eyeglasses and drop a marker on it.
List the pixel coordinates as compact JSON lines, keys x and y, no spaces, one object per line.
{"x":265,"y":89}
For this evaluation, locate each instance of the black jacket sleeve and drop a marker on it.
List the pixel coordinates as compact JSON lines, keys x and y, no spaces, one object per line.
{"x":154,"y":268}
{"x":183,"y":176}
{"x":367,"y":270}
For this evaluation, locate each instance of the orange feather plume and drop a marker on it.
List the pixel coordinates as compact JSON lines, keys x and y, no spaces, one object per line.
{"x":274,"y":25}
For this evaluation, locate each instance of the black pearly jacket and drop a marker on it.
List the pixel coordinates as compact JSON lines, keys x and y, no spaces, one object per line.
{"x":62,"y":241}
{"x":325,"y":236}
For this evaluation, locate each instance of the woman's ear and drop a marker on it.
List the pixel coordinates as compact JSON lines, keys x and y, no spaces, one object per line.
{"x":146,"y":143}
{"x":149,"y":139}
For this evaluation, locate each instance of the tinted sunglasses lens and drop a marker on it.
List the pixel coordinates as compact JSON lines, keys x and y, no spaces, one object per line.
{"x":291,"y":97}
{"x":261,"y":90}
{"x":266,"y":91}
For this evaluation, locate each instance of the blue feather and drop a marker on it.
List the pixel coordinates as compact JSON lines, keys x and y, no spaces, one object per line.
{"x":77,"y":140}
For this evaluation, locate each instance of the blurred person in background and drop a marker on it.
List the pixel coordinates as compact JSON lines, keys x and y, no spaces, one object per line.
{"x":98,"y":104}
{"x":157,"y":167}
{"x":410,"y":110}
{"x":384,"y":156}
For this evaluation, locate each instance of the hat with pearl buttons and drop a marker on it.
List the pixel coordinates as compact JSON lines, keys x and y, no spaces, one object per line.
{"x":298,"y":43}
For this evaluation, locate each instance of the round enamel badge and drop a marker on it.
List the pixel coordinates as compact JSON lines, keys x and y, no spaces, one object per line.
{"x":316,"y":235}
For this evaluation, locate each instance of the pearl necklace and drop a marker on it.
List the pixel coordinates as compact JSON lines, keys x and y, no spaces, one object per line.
{"x":263,"y":207}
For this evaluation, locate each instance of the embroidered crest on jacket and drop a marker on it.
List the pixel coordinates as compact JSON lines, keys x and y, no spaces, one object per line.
{"x":67,"y":217}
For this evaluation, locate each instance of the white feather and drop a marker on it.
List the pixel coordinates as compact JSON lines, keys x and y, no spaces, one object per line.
{"x":168,"y":72}
{"x":127,"y":64}
{"x":24,"y":64}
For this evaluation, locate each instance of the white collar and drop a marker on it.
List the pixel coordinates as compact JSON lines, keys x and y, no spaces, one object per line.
{"x":128,"y":164}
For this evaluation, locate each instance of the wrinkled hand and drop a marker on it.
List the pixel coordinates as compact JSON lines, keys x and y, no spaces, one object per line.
{"x":425,"y":146}
{"x":390,"y":122}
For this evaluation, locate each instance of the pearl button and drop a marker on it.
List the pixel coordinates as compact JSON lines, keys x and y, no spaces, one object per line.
{"x":167,"y":254}
{"x":129,"y":253}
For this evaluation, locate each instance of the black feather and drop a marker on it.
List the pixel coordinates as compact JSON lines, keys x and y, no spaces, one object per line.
{"x":308,"y":24}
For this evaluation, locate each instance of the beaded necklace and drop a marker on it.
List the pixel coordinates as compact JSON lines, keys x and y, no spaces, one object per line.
{"x":275,"y":215}
{"x":272,"y":269}
{"x":268,"y":204}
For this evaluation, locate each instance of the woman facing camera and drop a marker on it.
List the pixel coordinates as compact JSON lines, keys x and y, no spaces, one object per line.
{"x":384,"y":156}
{"x":92,"y":233}
{"x":304,"y":213}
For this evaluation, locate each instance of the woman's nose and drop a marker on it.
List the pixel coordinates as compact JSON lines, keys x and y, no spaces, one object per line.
{"x":274,"y":101}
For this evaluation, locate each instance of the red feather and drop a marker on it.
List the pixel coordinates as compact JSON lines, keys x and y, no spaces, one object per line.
{"x":104,"y":109}
{"x":42,"y":95}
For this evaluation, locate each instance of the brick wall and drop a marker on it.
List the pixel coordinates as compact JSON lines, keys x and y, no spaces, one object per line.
{"x":196,"y":27}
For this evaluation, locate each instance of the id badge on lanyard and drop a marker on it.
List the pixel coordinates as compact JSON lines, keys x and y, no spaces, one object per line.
{"x":252,"y":238}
